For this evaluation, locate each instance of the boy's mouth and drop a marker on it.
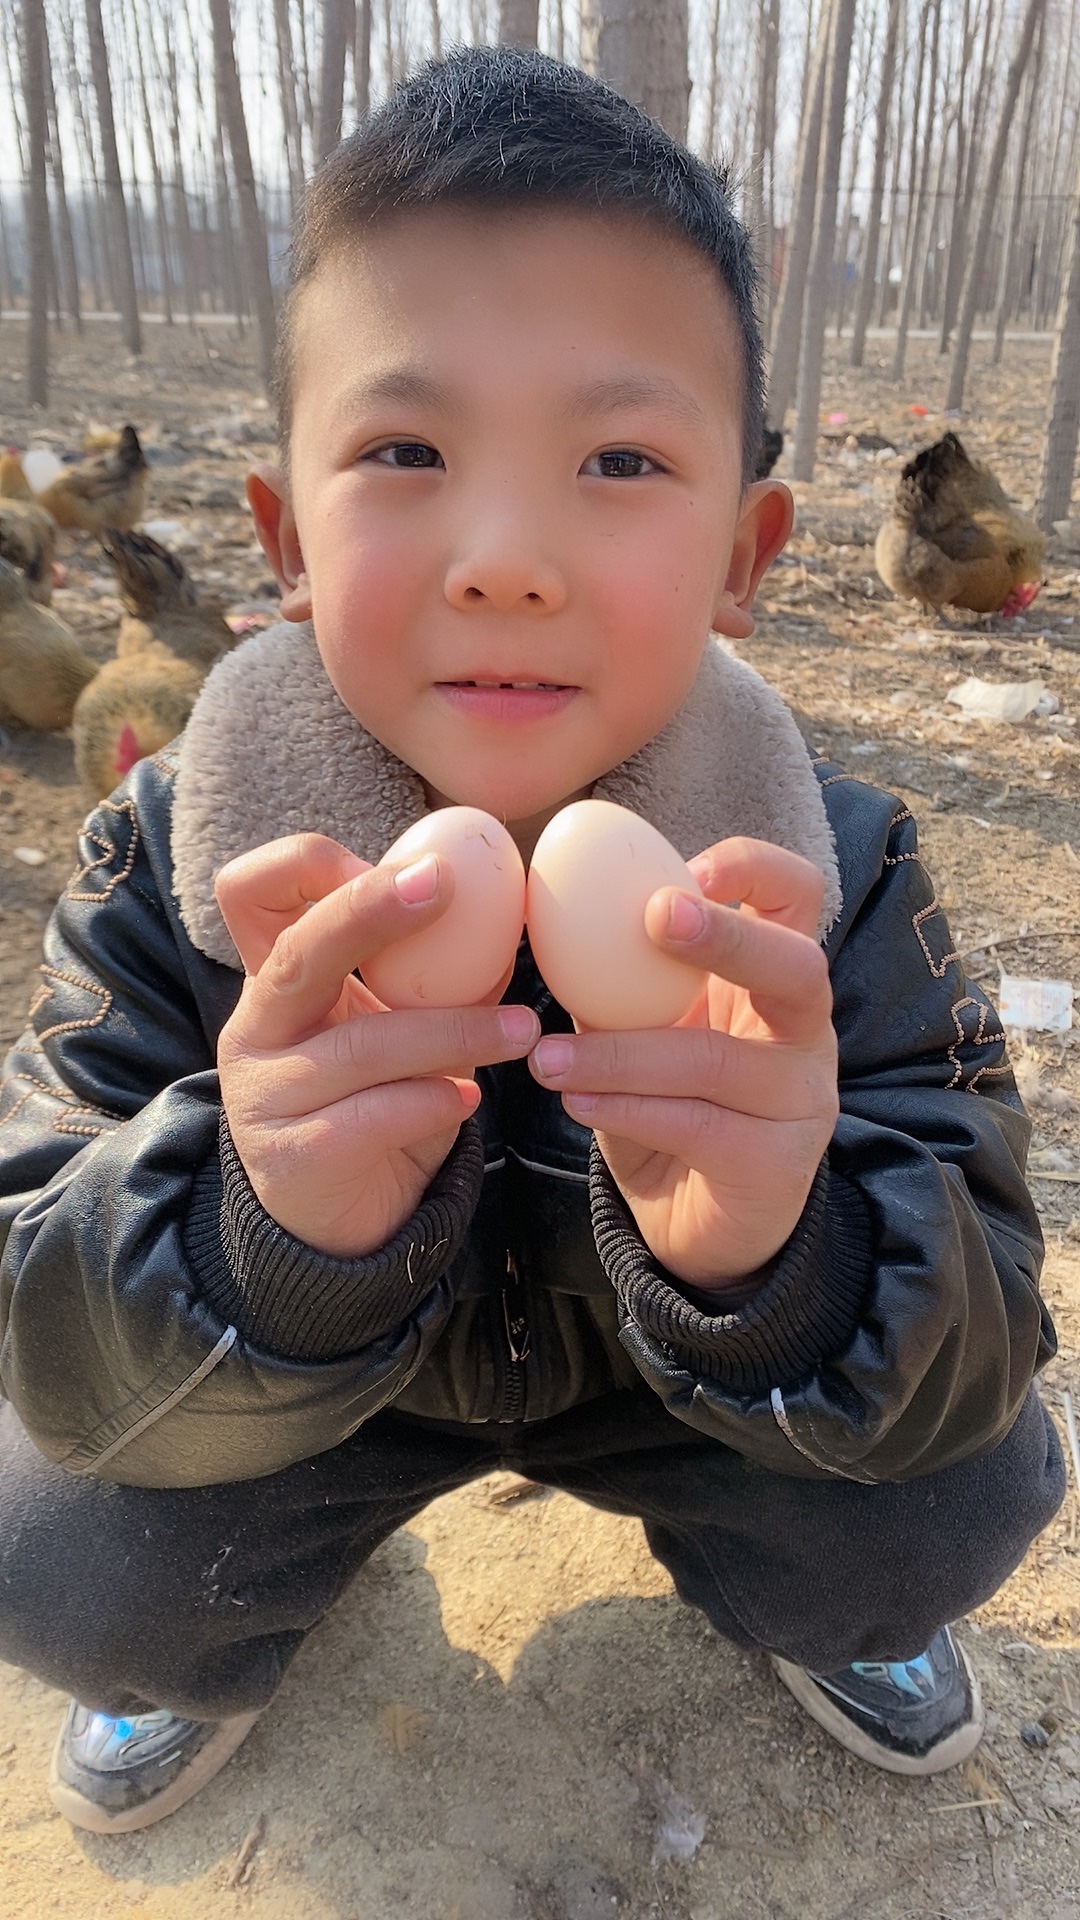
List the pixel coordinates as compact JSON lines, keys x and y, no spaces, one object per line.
{"x":506,"y":700}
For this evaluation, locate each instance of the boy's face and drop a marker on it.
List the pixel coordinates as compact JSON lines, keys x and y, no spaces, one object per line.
{"x":514,"y":508}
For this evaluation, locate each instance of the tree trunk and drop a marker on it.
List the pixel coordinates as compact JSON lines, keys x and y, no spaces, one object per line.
{"x":161,"y":217}
{"x":69,"y":269}
{"x":251,"y":226}
{"x":362,"y":59}
{"x":761,"y":207}
{"x":787,"y":327}
{"x":37,"y":203}
{"x":914,"y":242}
{"x":519,"y":22}
{"x":968,"y":158}
{"x":641,"y":48}
{"x":339,"y":27}
{"x":1063,"y":431}
{"x":954,"y":398}
{"x":811,"y":356}
{"x":114,"y":186}
{"x":436,"y":29}
{"x":867,"y":278}
{"x":181,"y":214}
{"x":1007,"y":280}
{"x":290,"y":118}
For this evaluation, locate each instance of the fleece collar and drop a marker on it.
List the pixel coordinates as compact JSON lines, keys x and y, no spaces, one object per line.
{"x":270,"y":750}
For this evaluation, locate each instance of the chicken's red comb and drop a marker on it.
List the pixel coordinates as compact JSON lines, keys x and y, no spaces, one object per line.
{"x":128,"y":749}
{"x":1020,"y":598}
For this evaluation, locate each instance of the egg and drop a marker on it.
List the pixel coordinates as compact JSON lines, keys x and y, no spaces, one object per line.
{"x":592,"y":872}
{"x":463,"y":956}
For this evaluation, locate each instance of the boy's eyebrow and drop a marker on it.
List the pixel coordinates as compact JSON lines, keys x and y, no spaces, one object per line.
{"x":614,"y":391}
{"x":408,"y":386}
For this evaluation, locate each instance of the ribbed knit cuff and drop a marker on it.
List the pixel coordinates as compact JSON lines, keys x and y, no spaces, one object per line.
{"x":804,"y":1307}
{"x":290,"y":1299}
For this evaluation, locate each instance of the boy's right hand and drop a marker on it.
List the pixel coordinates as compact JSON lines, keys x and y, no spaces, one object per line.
{"x":341,"y":1111}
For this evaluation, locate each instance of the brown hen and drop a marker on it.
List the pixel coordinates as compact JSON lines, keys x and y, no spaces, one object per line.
{"x":955,"y":539}
{"x":42,"y":667}
{"x":107,"y":492}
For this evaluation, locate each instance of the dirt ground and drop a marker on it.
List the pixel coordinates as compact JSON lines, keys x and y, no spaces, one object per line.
{"x":511,"y":1717}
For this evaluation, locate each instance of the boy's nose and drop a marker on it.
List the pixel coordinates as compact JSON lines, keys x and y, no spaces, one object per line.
{"x":505,"y":575}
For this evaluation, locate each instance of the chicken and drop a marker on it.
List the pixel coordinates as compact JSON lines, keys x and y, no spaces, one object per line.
{"x":133,"y":708}
{"x":42,"y":667}
{"x":162,"y":602}
{"x":955,"y":540}
{"x":14,"y":484}
{"x":28,"y":541}
{"x":772,"y":446}
{"x":109,"y":491}
{"x":168,"y":642}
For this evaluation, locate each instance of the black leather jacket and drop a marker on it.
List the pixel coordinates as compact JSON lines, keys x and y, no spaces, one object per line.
{"x":159,"y":1329}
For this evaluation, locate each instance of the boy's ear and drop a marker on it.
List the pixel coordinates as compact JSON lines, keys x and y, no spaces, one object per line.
{"x":763,"y":526}
{"x":275,"y":524}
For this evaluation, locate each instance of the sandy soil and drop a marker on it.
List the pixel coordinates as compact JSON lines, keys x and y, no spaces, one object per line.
{"x":511,"y":1710}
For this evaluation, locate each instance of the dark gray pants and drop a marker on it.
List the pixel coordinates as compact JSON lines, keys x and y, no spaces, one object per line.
{"x":196,"y":1599}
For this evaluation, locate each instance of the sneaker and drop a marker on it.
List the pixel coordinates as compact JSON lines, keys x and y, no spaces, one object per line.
{"x":909,"y":1716}
{"x":116,"y":1774}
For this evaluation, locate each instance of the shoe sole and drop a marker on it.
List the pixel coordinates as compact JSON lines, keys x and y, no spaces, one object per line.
{"x":209,"y":1760}
{"x":947,"y":1753}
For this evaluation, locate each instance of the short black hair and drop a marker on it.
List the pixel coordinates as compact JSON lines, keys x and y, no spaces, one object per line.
{"x":494,"y":127}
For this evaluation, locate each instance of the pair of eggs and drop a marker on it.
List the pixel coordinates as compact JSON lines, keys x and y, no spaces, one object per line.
{"x":592,"y":872}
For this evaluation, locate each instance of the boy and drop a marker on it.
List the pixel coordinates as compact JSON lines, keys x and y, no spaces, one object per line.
{"x":256,"y":1318}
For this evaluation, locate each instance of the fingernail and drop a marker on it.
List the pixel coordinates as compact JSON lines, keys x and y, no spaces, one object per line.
{"x":580,"y":1105}
{"x":418,"y":882}
{"x":518,"y":1025}
{"x":686,"y":919}
{"x":553,"y":1057}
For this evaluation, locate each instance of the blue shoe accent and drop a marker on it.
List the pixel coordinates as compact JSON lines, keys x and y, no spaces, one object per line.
{"x":909,"y":1716}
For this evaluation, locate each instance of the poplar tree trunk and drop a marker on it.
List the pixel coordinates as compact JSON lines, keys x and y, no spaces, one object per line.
{"x":362,"y":59}
{"x":160,"y":211}
{"x":787,"y":327}
{"x":251,"y":226}
{"x":339,"y":28}
{"x":519,"y":22}
{"x":761,"y":210}
{"x":1007,"y":280}
{"x":865,"y":298}
{"x":69,"y":268}
{"x":114,"y":186}
{"x":286,"y":71}
{"x":1063,"y":431}
{"x":37,"y":203}
{"x":914,"y":242}
{"x":954,"y":398}
{"x":811,"y":355}
{"x":185,"y":244}
{"x":641,"y":48}
{"x":968,"y":159}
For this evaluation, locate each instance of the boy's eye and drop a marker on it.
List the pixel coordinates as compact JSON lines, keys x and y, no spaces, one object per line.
{"x":407,"y":453}
{"x":618,"y":463}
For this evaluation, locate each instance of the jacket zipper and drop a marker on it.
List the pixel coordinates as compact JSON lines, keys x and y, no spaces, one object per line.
{"x":518,"y":1341}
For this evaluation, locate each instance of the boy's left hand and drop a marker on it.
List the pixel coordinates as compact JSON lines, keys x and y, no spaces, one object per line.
{"x":714,"y":1129}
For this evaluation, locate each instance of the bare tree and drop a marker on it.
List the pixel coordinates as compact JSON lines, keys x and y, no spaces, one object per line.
{"x":251,"y":226}
{"x":362,"y":58}
{"x":811,"y":355}
{"x":787,"y":325}
{"x":37,"y":202}
{"x":1063,"y":430}
{"x":339,"y":29}
{"x":641,"y":48}
{"x":762,"y":206}
{"x":69,"y":268}
{"x":954,"y":397}
{"x":286,"y":73}
{"x":913,"y":243}
{"x":868,"y":274}
{"x":1008,"y":262}
{"x":519,"y":22}
{"x":114,"y":185}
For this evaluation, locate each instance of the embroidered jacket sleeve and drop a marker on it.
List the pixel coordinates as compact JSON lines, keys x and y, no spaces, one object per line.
{"x":899,"y":1329}
{"x":157,"y":1327}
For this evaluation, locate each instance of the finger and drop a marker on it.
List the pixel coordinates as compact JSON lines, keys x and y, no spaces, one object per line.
{"x":357,"y":1055}
{"x":270,"y":888}
{"x":770,"y":881}
{"x":785,"y":974}
{"x":727,"y":1149}
{"x":300,"y":981}
{"x":382,"y":1120}
{"x":756,"y":1077}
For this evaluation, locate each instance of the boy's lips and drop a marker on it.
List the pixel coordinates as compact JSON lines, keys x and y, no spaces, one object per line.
{"x":505,"y":700}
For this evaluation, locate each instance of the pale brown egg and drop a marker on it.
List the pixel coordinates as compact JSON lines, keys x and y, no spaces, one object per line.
{"x":593,"y":870}
{"x":461,"y":957}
